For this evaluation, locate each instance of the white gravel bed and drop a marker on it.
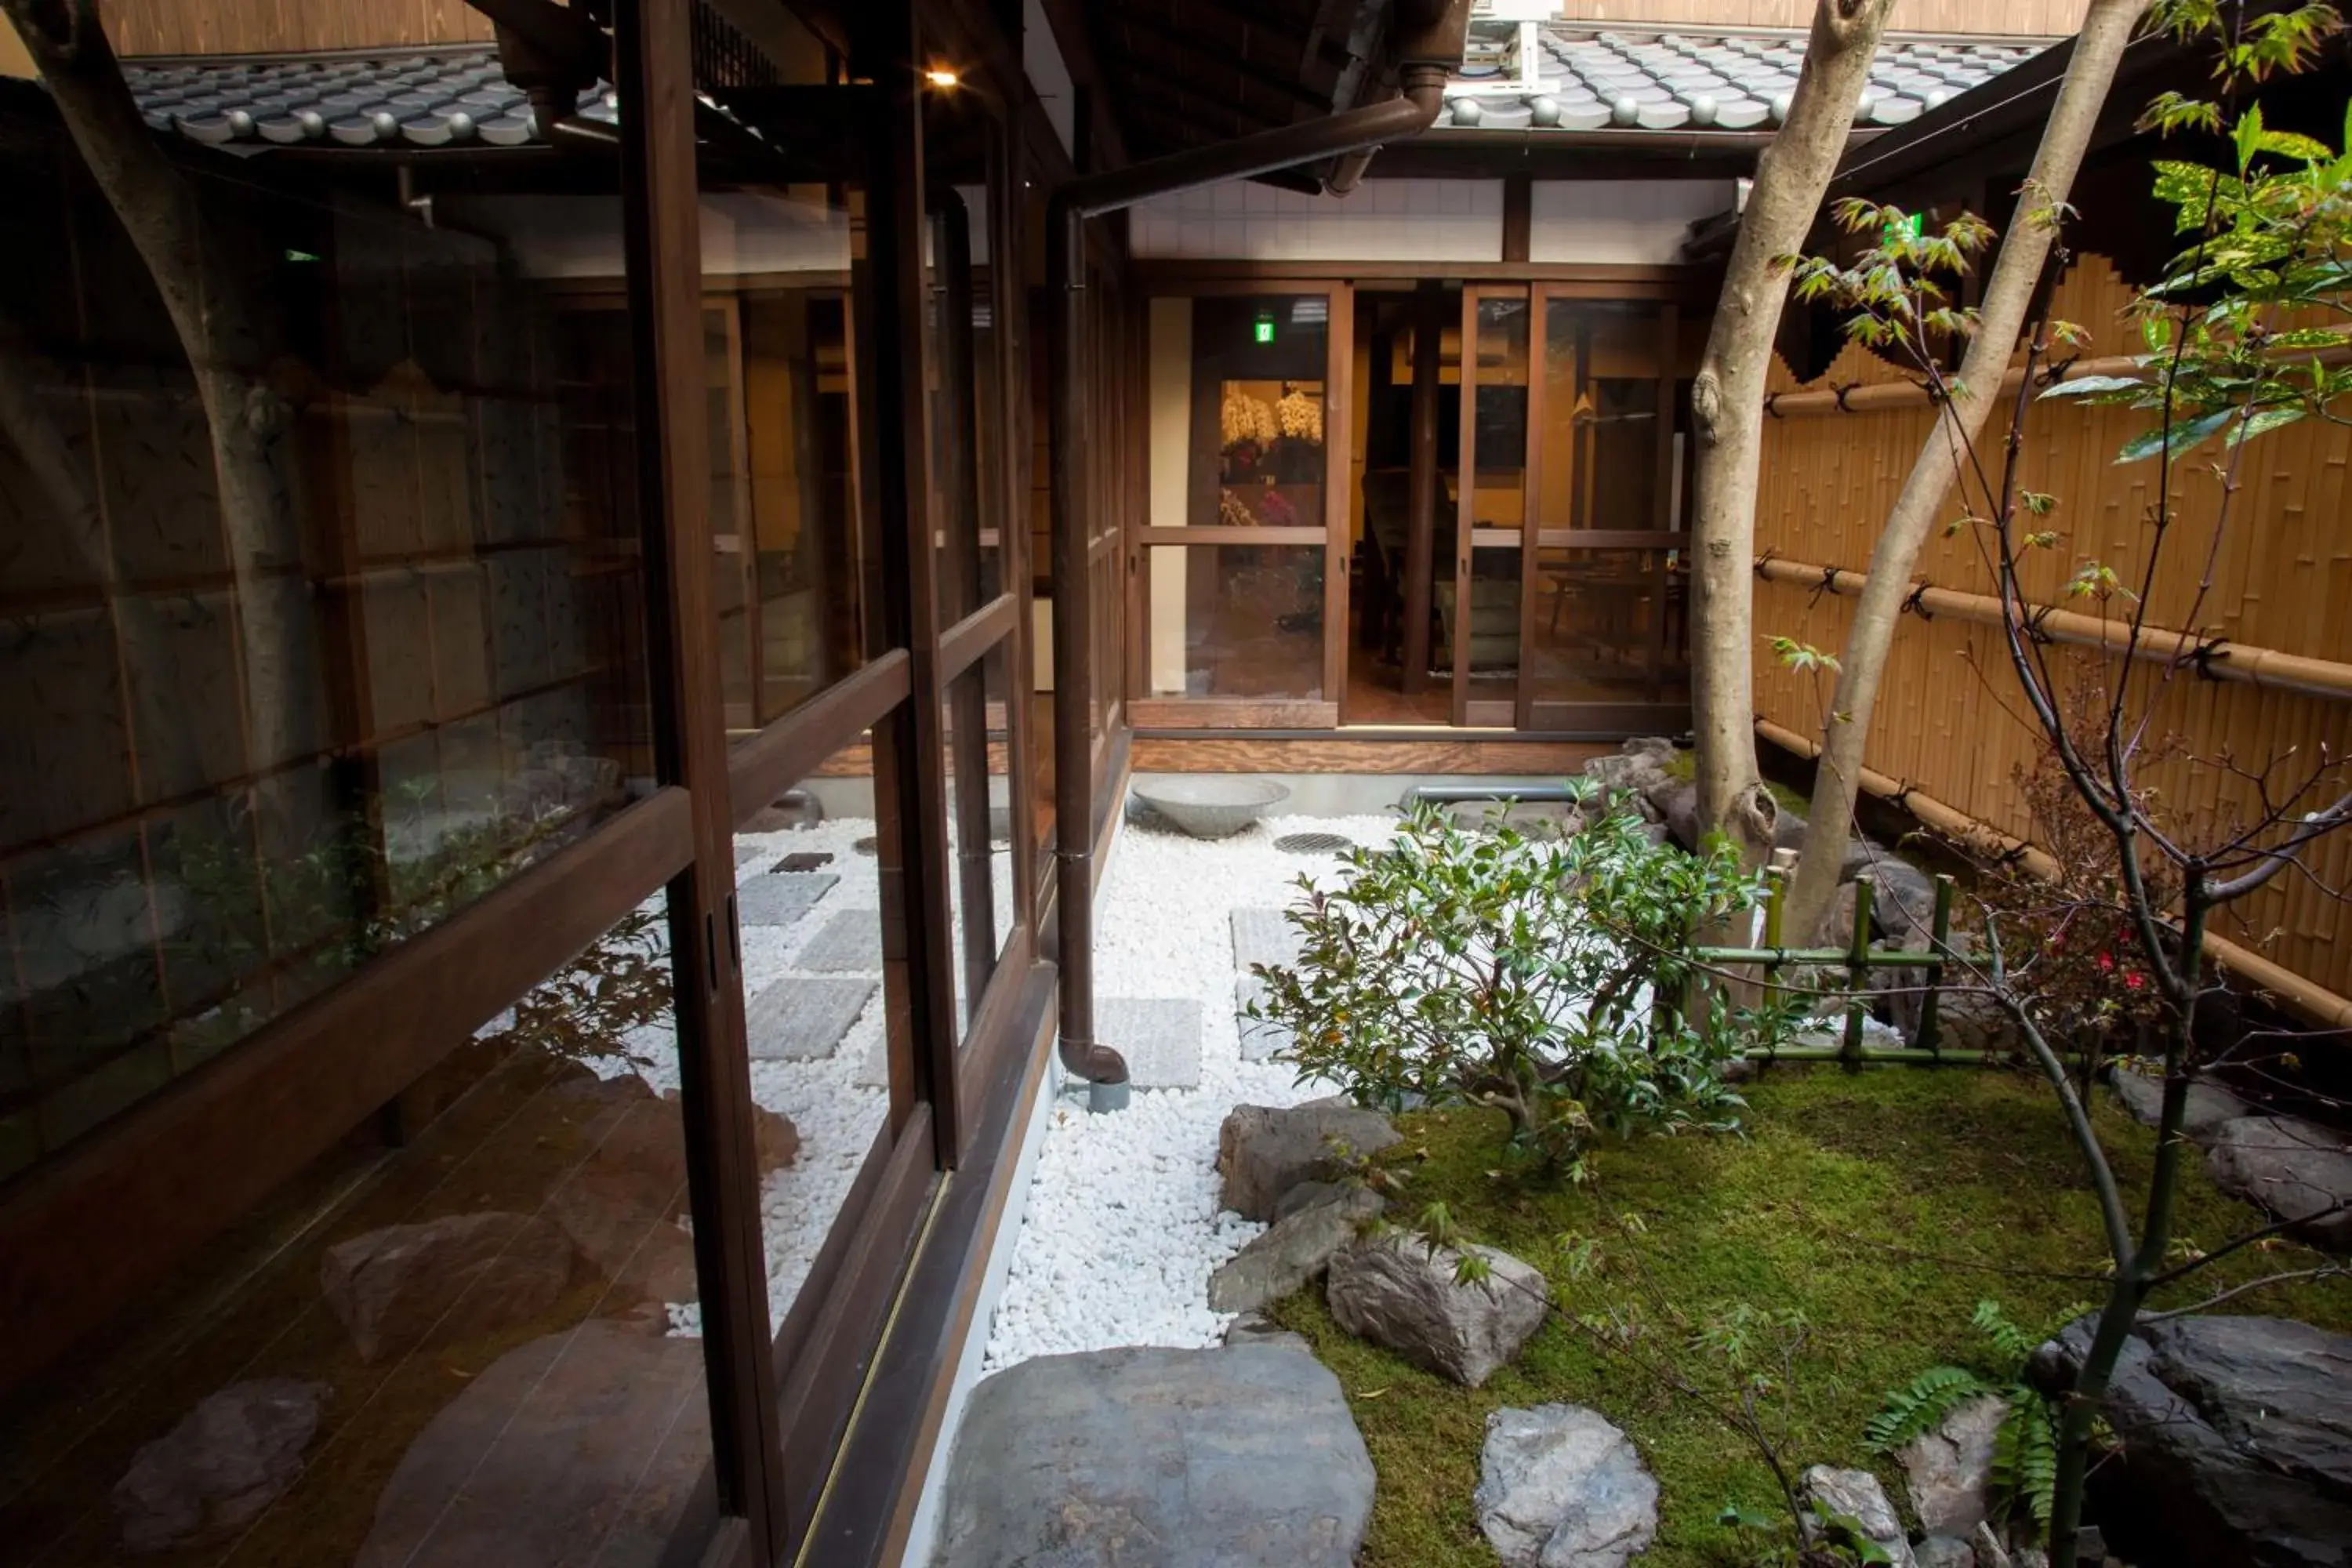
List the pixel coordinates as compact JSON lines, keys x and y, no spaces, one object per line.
{"x":1123,"y":1226}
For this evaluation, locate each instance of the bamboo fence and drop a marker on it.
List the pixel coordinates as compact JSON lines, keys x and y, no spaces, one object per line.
{"x":2270,"y":692}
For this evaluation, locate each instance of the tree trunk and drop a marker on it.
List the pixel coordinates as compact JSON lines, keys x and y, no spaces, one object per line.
{"x":1727,"y":414}
{"x":2009,"y":294}
{"x":206,"y":302}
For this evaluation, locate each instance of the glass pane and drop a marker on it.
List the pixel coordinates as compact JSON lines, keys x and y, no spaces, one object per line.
{"x":309,"y":650}
{"x":1599,"y":461}
{"x":1493,"y":624}
{"x":1237,"y":410}
{"x":960,"y":502}
{"x":732,"y":557}
{"x":804,"y":548}
{"x":819,"y":1011}
{"x":393,"y":1356}
{"x":788,"y":554}
{"x":972,"y":842}
{"x":1499,"y":426}
{"x":1601,"y":618}
{"x":1237,"y":621}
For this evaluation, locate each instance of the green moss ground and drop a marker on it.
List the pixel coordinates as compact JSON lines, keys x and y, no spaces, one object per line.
{"x":1880,"y":1206}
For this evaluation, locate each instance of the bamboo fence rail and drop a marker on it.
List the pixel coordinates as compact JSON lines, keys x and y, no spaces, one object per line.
{"x":2212,"y":657}
{"x":1950,"y":732}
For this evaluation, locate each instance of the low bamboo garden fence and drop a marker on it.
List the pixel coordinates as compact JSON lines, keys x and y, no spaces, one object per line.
{"x":2265,"y":676}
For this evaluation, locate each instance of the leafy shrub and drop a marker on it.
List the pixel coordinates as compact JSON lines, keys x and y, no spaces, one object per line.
{"x":2025,"y":1450}
{"x":1544,"y":977}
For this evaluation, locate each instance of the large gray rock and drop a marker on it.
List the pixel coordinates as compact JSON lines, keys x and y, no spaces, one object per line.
{"x":2236,"y":1440}
{"x":1256,"y":1328}
{"x":1294,"y":1249}
{"x":624,"y":1206}
{"x":408,"y":1285}
{"x":1969,"y":1022}
{"x":1678,"y":809}
{"x":1902,"y":899}
{"x":1625,"y":773}
{"x":1559,"y":1487}
{"x":2297,"y":1170}
{"x":1946,"y":1469}
{"x":233,"y":1455}
{"x":1949,"y":1551}
{"x":1263,"y":1151}
{"x":1395,"y":1291}
{"x":1857,"y":1495}
{"x":2210,"y":1105}
{"x":582,"y":1446}
{"x":1240,"y":1458}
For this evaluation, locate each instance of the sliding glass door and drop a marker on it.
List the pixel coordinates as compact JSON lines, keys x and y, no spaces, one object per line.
{"x":1604,"y":595}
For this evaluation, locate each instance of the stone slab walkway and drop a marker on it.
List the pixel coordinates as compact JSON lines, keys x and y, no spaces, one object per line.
{"x":1245,"y":1457}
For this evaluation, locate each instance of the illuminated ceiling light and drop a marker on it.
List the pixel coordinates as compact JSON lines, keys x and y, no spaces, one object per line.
{"x":939,"y":76}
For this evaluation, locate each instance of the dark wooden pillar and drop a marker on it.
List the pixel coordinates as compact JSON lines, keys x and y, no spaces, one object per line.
{"x":1420,"y":540}
{"x":654,"y":77}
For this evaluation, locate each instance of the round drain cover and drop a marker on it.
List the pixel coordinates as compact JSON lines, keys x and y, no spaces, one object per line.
{"x":1313,"y":843}
{"x":868,"y":845}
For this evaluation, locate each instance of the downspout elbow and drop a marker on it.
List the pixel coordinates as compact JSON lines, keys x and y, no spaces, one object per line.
{"x":1425,"y":89}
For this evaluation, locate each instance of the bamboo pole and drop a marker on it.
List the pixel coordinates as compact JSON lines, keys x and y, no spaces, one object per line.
{"x":2262,"y":667}
{"x":1882,"y":395}
{"x":2314,"y":1002}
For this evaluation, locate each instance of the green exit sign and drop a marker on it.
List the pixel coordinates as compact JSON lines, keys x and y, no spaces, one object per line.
{"x":1265,"y":329}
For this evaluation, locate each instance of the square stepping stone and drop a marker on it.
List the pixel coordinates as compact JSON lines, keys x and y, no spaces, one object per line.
{"x":800,"y":1018}
{"x":849,"y":943}
{"x":1260,"y":1038}
{"x":780,"y":897}
{"x":1264,"y":936}
{"x":1159,"y":1037}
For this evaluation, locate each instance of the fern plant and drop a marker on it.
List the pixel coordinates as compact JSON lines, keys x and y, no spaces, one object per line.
{"x":2024,"y":1469}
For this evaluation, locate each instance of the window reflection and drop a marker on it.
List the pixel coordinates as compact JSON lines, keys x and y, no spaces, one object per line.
{"x":1237,"y":621}
{"x":296,"y":681}
{"x":391,"y":1359}
{"x":1256,"y":371}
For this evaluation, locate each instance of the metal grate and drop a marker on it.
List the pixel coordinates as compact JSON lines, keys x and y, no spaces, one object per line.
{"x":1313,"y":843}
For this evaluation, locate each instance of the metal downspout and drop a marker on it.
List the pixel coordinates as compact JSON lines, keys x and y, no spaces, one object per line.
{"x":1430,"y":47}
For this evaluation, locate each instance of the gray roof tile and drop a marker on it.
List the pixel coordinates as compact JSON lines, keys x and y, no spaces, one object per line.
{"x":446,"y":98}
{"x":1588,"y":77}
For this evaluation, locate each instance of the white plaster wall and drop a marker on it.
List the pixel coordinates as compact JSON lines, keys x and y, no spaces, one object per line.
{"x":1384,"y":220}
{"x":579,"y":237}
{"x":1048,"y":73}
{"x":1170,"y":385}
{"x":1622,"y":221}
